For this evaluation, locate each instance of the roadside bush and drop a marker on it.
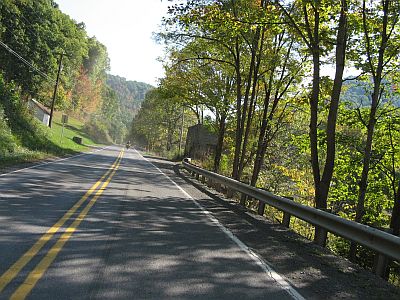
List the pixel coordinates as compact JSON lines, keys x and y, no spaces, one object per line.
{"x":7,"y":140}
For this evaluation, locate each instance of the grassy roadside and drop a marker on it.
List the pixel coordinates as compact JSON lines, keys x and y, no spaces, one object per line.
{"x":60,"y":143}
{"x":63,"y":138}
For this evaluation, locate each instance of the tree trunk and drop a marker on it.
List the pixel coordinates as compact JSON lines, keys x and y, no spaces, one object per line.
{"x":377,"y":78}
{"x":395,"y":218}
{"x":181,"y":132}
{"x":320,"y":202}
{"x":262,"y":136}
{"x":252,"y":81}
{"x":333,"y":111}
{"x":244,"y":116}
{"x":239,"y":130}
{"x":268,"y":116}
{"x":220,"y":142}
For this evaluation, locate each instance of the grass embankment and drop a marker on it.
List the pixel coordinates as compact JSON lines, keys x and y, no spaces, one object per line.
{"x":63,"y":139}
{"x":56,"y":142}
{"x":23,"y":138}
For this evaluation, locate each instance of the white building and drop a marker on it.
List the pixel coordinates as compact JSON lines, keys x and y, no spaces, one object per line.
{"x":40,"y":111}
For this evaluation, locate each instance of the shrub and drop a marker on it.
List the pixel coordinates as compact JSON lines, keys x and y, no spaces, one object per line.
{"x":7,"y":141}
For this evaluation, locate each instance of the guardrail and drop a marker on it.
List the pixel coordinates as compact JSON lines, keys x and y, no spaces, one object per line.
{"x":384,"y":243}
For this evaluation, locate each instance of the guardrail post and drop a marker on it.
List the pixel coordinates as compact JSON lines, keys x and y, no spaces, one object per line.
{"x":243,"y":199}
{"x":261,"y":208}
{"x":197,"y":176}
{"x":286,"y":216}
{"x":218,"y":187}
{"x":224,"y":189}
{"x":381,"y":262}
{"x":210,"y":183}
{"x":203,"y":179}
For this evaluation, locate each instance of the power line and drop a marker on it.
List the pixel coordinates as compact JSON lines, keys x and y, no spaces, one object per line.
{"x":16,"y":54}
{"x":26,"y":62}
{"x":37,"y":70}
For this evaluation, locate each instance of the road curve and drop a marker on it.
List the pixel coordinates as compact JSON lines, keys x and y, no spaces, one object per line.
{"x":109,"y":224}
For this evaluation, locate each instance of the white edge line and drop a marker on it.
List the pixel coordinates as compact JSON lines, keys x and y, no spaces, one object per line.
{"x":52,"y":162}
{"x":255,"y":257}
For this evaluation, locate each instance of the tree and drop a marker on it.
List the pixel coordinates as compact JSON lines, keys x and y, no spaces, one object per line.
{"x":309,"y":20}
{"x":380,"y":46}
{"x":200,"y":84}
{"x":38,"y":32}
{"x":228,"y":36}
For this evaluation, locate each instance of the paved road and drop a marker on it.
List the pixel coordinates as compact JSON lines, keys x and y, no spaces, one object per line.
{"x":111,"y":225}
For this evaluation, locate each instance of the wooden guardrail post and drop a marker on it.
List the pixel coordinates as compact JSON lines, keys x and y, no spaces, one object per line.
{"x":243,"y":196}
{"x":286,"y":216}
{"x":243,"y":199}
{"x":261,"y":208}
{"x":381,"y":262}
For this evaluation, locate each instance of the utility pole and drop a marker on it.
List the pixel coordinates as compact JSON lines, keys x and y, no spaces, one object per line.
{"x":181,"y":134}
{"x":55,"y":89}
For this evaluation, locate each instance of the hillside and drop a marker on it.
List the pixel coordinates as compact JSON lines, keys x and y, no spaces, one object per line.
{"x":24,"y":139}
{"x":358,"y":93}
{"x":130,"y":93}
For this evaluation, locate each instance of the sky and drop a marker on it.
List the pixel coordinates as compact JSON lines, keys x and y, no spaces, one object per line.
{"x":125,"y":27}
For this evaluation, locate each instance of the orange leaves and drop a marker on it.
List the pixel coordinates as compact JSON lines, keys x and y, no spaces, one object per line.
{"x":87,"y":95}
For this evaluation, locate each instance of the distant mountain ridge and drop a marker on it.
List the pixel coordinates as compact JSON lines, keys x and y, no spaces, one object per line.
{"x":130,"y":93}
{"x":359,"y":93}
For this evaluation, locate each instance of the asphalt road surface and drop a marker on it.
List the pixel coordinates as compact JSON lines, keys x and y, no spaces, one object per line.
{"x":111,"y":225}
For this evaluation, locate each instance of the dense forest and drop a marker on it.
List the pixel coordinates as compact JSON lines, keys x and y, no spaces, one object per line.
{"x":35,"y":39}
{"x":130,"y":95}
{"x":250,"y":71}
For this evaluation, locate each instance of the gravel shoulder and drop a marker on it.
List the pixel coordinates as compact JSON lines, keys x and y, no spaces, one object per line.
{"x":313,"y":271}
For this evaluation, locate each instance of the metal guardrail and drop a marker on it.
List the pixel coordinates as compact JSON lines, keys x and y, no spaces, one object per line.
{"x":380,"y":241}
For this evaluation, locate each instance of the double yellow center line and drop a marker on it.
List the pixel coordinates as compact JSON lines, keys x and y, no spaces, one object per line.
{"x":34,"y":276}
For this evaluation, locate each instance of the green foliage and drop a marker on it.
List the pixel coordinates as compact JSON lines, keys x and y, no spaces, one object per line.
{"x":98,"y":130}
{"x":97,"y":62}
{"x":156,"y":126}
{"x":130,"y":93}
{"x":7,"y":140}
{"x":22,"y":137}
{"x":127,"y":98}
{"x":26,"y":129}
{"x":112,"y":116}
{"x":39,"y":32}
